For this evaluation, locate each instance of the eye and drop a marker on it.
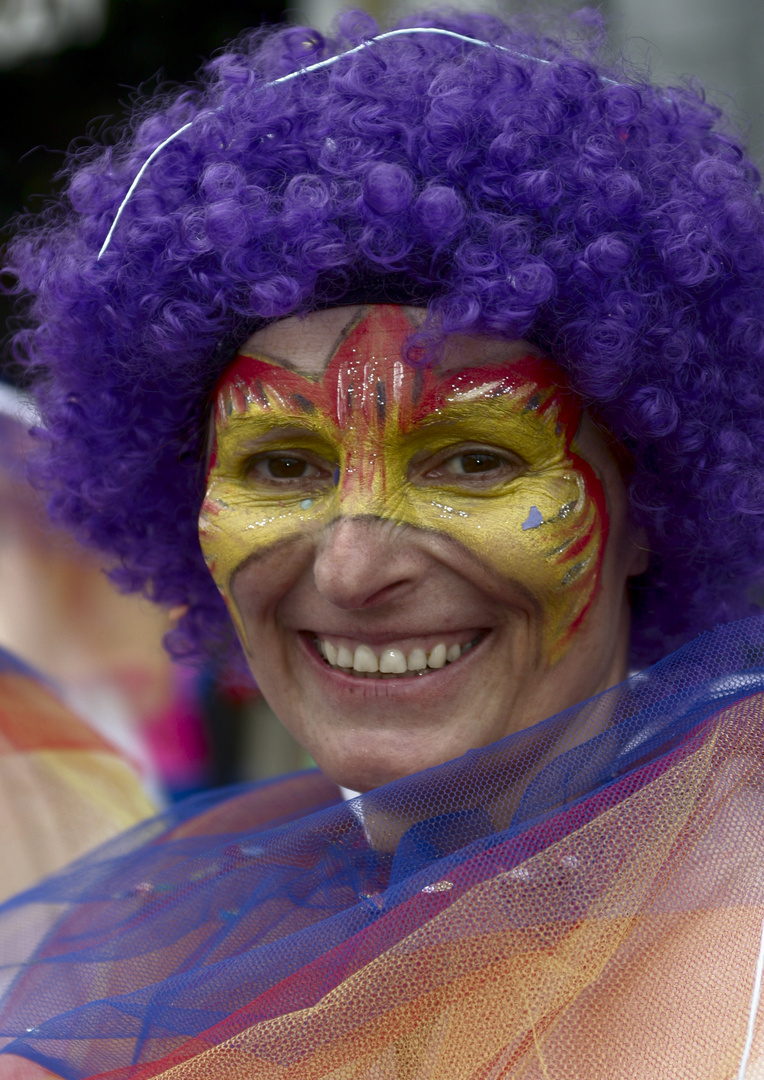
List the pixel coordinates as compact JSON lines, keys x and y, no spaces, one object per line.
{"x":283,"y":468}
{"x":474,"y":461}
{"x":472,"y":465}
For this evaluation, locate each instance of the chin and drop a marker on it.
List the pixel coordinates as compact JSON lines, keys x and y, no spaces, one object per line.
{"x":361,"y":772}
{"x":381,"y":759}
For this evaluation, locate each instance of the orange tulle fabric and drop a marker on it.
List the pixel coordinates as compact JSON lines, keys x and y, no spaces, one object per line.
{"x":613,"y":932}
{"x":63,"y":788}
{"x":652,"y":978}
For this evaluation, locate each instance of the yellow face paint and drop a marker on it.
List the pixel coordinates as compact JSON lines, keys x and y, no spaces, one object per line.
{"x":483,"y":454}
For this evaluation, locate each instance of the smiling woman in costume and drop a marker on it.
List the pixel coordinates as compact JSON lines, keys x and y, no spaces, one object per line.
{"x":449,"y":351}
{"x":370,"y":520}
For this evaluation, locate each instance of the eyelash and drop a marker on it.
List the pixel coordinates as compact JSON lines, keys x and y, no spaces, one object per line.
{"x":298,"y":457}
{"x":425,"y":471}
{"x":504,"y":459}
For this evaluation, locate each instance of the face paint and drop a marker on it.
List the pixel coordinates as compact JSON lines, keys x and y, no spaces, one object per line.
{"x":483,"y":454}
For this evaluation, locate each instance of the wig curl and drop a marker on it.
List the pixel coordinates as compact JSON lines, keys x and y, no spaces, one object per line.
{"x":529,"y":193}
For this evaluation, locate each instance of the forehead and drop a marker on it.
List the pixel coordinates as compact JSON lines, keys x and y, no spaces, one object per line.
{"x":307,"y":343}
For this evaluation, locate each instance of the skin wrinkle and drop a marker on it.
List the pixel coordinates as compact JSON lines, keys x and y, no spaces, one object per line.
{"x":407,"y":548}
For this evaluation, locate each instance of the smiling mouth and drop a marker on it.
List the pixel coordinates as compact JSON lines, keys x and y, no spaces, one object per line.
{"x":390,"y":662}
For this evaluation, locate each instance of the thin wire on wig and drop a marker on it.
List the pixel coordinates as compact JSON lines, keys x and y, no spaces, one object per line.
{"x":306,"y":71}
{"x":618,"y":225}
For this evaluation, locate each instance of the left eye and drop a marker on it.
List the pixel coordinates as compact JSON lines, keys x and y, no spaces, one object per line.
{"x":475,"y":466}
{"x":472,"y":462}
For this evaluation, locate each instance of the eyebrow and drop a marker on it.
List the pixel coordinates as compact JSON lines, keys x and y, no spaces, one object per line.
{"x":273,"y":429}
{"x":459,"y":412}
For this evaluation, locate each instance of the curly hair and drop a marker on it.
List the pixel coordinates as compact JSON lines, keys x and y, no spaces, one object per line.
{"x":530,"y":193}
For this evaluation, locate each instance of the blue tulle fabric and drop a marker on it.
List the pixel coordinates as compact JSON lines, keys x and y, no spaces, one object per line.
{"x":167,"y":930}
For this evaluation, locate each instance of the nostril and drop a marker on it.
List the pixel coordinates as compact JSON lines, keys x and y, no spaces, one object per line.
{"x":383,"y":594}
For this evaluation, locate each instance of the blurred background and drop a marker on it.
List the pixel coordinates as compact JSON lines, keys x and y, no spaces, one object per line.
{"x":67,"y":70}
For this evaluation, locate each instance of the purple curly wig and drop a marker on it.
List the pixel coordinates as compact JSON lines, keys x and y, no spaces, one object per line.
{"x":525,"y":194}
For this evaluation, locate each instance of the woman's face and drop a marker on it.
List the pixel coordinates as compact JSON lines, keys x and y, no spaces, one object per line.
{"x":417,"y":561}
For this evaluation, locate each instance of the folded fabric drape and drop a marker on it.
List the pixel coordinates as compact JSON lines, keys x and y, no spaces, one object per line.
{"x":63,"y":788}
{"x":581,"y":900}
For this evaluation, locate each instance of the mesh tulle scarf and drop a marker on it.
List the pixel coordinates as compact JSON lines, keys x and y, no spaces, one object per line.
{"x":581,"y":900}
{"x":63,"y":788}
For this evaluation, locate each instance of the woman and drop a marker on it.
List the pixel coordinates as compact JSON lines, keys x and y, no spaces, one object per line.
{"x":453,"y":348}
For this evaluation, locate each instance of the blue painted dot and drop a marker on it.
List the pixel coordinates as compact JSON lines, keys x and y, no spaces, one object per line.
{"x":337,"y":469}
{"x":307,"y":503}
{"x":534,"y":519}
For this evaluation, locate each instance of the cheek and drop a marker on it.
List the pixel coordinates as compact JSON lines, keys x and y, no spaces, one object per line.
{"x":547,"y":534}
{"x":235,"y":527}
{"x":254,"y":568}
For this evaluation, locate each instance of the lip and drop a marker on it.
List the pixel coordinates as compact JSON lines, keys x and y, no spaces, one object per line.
{"x":430,"y":687}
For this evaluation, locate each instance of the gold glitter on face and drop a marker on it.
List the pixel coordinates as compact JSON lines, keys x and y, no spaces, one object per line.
{"x":483,"y":454}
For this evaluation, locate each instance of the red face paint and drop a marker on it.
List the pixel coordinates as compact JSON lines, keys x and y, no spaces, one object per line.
{"x":482,"y":453}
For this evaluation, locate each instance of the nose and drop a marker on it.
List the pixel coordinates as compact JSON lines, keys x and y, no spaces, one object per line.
{"x":365,"y":561}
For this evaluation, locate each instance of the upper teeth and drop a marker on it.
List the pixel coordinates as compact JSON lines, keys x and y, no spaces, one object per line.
{"x":390,"y":661}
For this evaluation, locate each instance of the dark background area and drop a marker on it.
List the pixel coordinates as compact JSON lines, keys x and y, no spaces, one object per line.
{"x":51,"y":100}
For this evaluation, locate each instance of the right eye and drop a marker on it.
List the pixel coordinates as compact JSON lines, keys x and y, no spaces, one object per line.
{"x":473,"y":462}
{"x":286,"y":468}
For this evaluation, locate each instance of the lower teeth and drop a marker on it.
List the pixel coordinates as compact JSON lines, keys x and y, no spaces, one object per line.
{"x":386,"y":674}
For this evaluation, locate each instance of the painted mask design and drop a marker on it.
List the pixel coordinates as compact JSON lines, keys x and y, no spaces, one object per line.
{"x":484,"y":454}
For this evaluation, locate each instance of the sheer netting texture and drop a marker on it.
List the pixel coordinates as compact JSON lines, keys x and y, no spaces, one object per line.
{"x":580,"y":900}
{"x":63,"y":787}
